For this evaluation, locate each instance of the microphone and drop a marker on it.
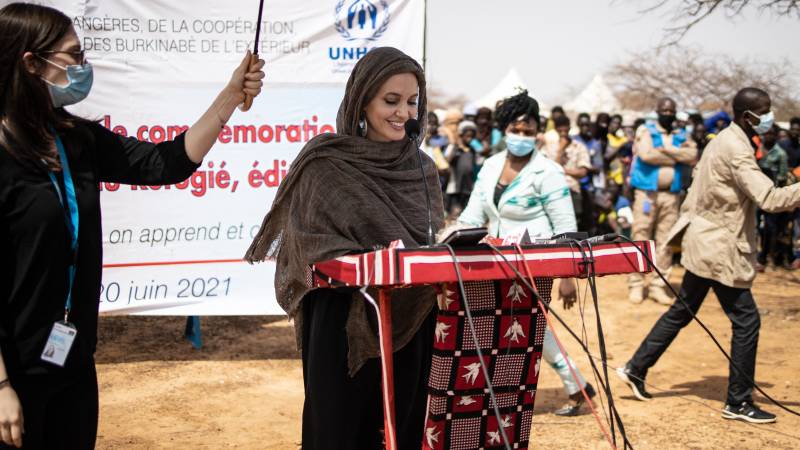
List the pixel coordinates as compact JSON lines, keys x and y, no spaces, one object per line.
{"x":412,"y":131}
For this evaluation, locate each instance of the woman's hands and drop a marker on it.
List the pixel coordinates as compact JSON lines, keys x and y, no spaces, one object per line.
{"x":567,"y":292}
{"x":246,"y":80}
{"x":244,"y":85}
{"x":11,"y":421}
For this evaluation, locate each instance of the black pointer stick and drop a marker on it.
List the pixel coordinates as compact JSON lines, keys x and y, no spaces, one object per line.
{"x":248,"y":101}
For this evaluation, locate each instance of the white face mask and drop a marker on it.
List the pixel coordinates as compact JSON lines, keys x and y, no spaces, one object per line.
{"x":765,"y":124}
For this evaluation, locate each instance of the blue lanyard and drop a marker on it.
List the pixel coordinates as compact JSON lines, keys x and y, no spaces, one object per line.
{"x":70,"y":216}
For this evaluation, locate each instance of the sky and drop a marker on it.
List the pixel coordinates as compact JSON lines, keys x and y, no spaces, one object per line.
{"x":559,"y":45}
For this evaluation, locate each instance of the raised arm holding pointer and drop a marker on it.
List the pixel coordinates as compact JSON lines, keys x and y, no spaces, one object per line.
{"x":51,"y":166}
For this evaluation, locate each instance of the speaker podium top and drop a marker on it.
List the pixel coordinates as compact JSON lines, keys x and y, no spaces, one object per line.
{"x":397,"y":267}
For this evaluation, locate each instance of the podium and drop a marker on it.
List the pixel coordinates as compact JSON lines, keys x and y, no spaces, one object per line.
{"x":506,"y":321}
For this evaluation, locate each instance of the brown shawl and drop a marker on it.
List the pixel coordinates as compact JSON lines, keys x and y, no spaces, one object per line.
{"x":344,"y":194}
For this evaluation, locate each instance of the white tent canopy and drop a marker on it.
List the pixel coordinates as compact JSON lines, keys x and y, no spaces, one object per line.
{"x":594,"y":98}
{"x":508,"y":86}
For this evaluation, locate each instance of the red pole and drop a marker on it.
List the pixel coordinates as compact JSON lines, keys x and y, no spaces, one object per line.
{"x":387,"y":361}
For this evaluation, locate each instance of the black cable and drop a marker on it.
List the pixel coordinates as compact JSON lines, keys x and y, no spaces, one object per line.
{"x":549,"y":310}
{"x":585,"y":261}
{"x":710,"y":334}
{"x":412,"y":131}
{"x":589,"y":266}
{"x":430,"y":237}
{"x":485,"y":371}
{"x":601,"y":341}
{"x":584,"y":333}
{"x":585,"y":338}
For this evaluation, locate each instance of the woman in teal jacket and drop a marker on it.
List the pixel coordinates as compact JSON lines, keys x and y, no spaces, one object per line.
{"x":520,"y":189}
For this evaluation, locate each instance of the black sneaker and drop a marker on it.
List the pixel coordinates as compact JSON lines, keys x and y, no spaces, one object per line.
{"x":636,"y":383}
{"x":573,"y":408}
{"x":748,"y":412}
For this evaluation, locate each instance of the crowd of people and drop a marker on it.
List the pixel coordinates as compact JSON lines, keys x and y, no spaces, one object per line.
{"x":516,"y":171}
{"x":624,"y":177}
{"x":503,"y":169}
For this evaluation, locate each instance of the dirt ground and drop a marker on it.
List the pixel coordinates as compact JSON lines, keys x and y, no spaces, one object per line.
{"x":244,"y":389}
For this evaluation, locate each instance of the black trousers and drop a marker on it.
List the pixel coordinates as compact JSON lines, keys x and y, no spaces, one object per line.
{"x":776,"y":238}
{"x":457,"y":203}
{"x":586,"y":218}
{"x":341,"y":412}
{"x":740,"y":308}
{"x":577,"y":206}
{"x":60,"y":412}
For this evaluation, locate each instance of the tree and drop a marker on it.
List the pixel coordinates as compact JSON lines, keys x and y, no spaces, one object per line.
{"x":439,"y":99}
{"x":700,"y":81}
{"x":686,"y":14}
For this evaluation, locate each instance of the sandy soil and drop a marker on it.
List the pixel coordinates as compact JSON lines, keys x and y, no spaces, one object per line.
{"x":244,"y":388}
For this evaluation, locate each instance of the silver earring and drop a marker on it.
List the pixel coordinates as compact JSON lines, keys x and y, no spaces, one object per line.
{"x":362,"y":127}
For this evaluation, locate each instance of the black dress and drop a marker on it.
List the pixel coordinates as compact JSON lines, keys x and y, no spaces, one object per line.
{"x":35,"y":249}
{"x":345,"y":413}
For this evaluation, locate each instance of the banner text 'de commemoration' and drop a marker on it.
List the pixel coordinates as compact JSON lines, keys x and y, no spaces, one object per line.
{"x":177,"y":249}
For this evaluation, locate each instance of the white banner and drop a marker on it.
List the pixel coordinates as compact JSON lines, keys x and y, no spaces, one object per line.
{"x":176,"y":250}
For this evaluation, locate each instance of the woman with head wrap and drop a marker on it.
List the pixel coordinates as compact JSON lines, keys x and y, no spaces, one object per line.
{"x":520,"y":189}
{"x":346,"y":192}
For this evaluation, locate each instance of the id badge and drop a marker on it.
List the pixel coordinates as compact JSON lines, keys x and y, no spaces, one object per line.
{"x":59,"y":343}
{"x":647,"y":207}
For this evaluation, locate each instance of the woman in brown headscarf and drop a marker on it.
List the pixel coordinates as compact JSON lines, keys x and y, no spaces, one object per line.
{"x":348,"y":192}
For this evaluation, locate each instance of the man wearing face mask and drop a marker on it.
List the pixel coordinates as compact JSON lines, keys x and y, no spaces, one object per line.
{"x":718,"y":231}
{"x":661,"y":151}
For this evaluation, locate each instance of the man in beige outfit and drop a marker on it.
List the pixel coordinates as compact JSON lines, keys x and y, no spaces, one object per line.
{"x":660,"y":152}
{"x":718,"y":227}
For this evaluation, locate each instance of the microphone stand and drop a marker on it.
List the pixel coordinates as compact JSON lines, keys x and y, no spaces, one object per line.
{"x":413,"y":139}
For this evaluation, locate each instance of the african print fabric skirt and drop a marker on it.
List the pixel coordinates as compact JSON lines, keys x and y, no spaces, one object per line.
{"x":510,"y":331}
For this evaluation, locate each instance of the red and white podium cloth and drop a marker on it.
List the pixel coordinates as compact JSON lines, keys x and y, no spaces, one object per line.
{"x":510,"y":331}
{"x":399,"y":267}
{"x":510,"y":327}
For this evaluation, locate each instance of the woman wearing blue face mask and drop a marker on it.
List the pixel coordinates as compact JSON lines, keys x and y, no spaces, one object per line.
{"x":520,"y":189}
{"x":51,"y":165}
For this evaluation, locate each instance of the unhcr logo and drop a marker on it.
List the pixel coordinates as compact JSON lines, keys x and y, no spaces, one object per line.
{"x":358,"y":20}
{"x":362,"y":19}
